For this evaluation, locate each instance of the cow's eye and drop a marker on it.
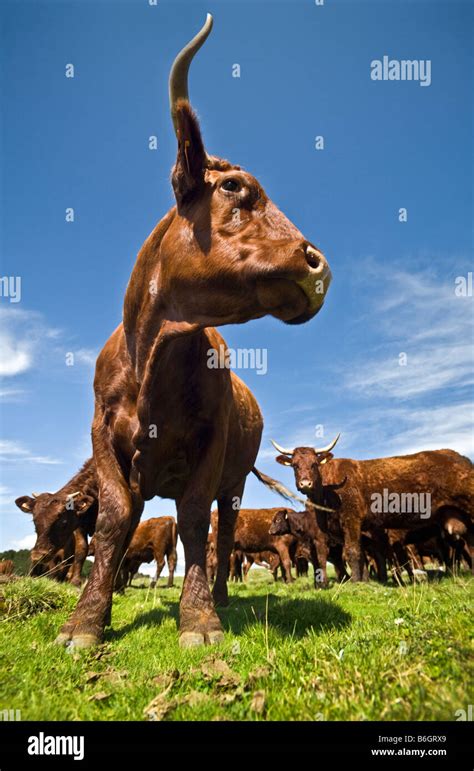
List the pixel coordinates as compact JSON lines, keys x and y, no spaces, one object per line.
{"x":231,"y":185}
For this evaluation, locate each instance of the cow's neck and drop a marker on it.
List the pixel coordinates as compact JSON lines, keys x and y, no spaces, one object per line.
{"x":85,"y":481}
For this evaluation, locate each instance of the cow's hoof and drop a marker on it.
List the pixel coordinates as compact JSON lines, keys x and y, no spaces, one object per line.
{"x":81,"y":641}
{"x":215,"y":637}
{"x":199,"y":622}
{"x":63,"y":638}
{"x":191,"y":639}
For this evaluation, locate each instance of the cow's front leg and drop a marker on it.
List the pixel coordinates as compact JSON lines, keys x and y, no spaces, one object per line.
{"x":355,"y":555}
{"x":321,"y":548}
{"x":198,"y":621}
{"x":285,"y":561}
{"x":86,"y":626}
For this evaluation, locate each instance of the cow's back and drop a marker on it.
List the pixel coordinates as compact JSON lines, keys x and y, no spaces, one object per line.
{"x":252,"y":530}
{"x":445,"y":475}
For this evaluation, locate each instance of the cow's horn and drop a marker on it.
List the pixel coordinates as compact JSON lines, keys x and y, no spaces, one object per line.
{"x":35,"y":495}
{"x":329,"y":447}
{"x":73,"y":495}
{"x":178,"y":83}
{"x":281,"y":449}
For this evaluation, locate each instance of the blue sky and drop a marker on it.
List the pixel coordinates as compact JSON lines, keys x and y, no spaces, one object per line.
{"x":82,"y":142}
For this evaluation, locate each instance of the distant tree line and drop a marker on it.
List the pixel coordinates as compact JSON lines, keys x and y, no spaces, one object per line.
{"x":20,"y":559}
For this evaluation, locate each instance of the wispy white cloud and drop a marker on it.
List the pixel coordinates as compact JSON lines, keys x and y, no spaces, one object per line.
{"x":22,"y":338}
{"x":15,"y":452}
{"x":12,"y":394}
{"x":15,"y":356}
{"x":85,"y":356}
{"x":419,"y":315}
{"x":401,"y":430}
{"x":28,"y":341}
{"x":427,"y":369}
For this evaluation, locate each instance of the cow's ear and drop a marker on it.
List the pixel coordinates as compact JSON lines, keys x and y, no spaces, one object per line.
{"x":283,"y":460}
{"x":79,"y":503}
{"x":25,"y":503}
{"x":323,"y":457}
{"x":188,"y":173}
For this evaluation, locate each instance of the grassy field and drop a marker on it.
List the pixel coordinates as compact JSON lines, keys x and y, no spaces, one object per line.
{"x":353,"y":652}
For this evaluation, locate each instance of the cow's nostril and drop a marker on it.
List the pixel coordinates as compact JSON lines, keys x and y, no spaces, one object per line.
{"x":313,"y":258}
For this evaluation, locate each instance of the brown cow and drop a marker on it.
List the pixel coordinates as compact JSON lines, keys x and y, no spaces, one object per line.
{"x":154,"y":539}
{"x":169,"y":420}
{"x":252,"y":536}
{"x":63,"y":521}
{"x":7,"y":567}
{"x":304,"y":526}
{"x":398,"y":492}
{"x":241,"y":562}
{"x":264,"y":559}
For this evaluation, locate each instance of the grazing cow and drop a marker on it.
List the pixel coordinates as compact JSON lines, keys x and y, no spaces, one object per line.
{"x":398,"y":492}
{"x":7,"y":567}
{"x":154,"y":539}
{"x":63,"y":520}
{"x":252,"y":536}
{"x":170,"y":418}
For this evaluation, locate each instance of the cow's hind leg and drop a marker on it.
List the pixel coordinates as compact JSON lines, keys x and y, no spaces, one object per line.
{"x":172,"y":559}
{"x":225,"y":541}
{"x":160,"y":563}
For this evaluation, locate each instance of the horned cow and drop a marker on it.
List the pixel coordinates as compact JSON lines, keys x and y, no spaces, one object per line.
{"x":165,"y":423}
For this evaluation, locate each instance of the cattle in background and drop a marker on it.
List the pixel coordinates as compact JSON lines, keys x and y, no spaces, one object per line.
{"x":7,"y":568}
{"x":398,"y":492}
{"x":304,"y":527}
{"x":252,"y":536}
{"x":265,"y":559}
{"x":154,"y":539}
{"x":167,"y":423}
{"x":241,"y":562}
{"x":63,"y":521}
{"x":211,"y":559}
{"x":302,"y":559}
{"x":458,"y":533}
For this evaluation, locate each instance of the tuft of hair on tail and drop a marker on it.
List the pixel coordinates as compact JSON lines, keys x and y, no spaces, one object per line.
{"x":274,"y":485}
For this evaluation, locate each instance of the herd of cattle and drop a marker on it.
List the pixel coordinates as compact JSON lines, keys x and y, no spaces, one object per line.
{"x":169,"y":425}
{"x":338,"y":524}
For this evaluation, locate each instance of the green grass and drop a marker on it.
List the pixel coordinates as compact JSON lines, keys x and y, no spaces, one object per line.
{"x":353,"y":652}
